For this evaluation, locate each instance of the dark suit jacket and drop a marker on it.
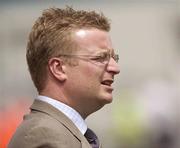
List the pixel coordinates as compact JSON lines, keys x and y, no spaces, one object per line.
{"x":47,"y":127}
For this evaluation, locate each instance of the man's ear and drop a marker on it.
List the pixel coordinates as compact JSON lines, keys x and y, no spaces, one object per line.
{"x":57,"y":69}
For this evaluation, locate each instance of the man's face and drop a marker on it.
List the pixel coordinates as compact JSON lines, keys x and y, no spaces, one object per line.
{"x":89,"y":83}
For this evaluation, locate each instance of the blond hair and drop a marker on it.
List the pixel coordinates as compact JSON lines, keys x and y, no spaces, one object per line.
{"x":51,"y":36}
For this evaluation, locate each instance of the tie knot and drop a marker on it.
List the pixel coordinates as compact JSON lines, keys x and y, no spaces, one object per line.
{"x":92,"y":138}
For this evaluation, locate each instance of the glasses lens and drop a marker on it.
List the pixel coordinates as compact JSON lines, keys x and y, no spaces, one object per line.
{"x":104,"y":57}
{"x":116,"y":57}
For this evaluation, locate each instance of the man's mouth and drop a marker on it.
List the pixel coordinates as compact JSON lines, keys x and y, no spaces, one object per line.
{"x":107,"y":82}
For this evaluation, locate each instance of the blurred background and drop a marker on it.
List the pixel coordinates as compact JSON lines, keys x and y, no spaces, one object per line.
{"x":146,"y":105}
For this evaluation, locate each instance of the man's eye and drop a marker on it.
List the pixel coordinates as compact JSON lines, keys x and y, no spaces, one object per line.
{"x":101,"y":58}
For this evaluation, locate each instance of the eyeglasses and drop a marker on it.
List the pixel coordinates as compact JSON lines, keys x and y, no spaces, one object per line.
{"x":103,"y":57}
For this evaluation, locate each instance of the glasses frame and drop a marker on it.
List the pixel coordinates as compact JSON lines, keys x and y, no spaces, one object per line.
{"x":103,"y":57}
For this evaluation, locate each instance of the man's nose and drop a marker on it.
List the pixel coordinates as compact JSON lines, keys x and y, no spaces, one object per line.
{"x":113,"y":66}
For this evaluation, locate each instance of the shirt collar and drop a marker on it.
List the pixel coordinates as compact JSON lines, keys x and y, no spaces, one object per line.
{"x":72,"y":114}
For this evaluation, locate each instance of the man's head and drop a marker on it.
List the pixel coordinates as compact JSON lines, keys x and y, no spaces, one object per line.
{"x":52,"y":34}
{"x":71,"y":58}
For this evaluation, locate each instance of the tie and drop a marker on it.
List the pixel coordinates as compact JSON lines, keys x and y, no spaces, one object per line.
{"x":92,"y":138}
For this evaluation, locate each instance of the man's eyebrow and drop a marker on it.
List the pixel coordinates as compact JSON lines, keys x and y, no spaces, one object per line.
{"x":110,"y":50}
{"x":105,"y":50}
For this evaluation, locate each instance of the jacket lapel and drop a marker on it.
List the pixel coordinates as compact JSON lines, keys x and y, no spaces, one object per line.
{"x":46,"y":108}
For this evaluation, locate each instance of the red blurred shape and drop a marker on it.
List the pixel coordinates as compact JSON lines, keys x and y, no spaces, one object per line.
{"x":10,"y":118}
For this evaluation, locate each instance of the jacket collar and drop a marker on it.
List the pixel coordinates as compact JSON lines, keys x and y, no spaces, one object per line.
{"x":46,"y":108}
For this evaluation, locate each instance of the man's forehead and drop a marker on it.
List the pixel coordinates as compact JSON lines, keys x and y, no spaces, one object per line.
{"x":92,"y":38}
{"x":89,"y":32}
{"x":81,"y":33}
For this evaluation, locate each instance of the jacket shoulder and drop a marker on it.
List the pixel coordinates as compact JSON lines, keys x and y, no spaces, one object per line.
{"x":41,"y":130}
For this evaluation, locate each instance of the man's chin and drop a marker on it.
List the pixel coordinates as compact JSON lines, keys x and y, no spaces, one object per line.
{"x":108,"y":99}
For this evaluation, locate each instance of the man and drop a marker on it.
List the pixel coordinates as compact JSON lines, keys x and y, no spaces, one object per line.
{"x":72,"y":64}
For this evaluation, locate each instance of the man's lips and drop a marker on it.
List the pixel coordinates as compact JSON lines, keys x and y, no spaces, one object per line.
{"x":107,"y":82}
